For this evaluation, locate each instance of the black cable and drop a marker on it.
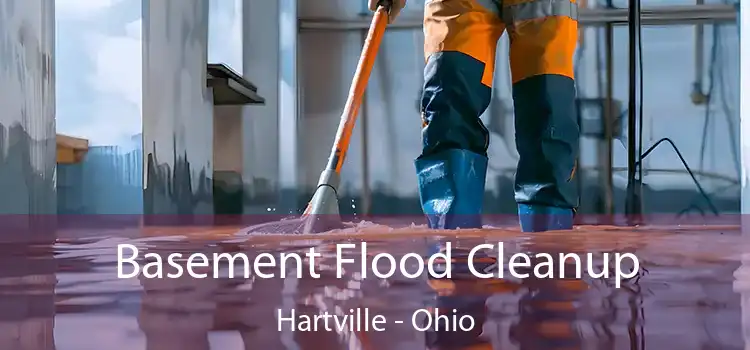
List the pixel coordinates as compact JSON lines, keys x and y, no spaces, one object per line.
{"x":687,"y":168}
{"x":690,"y":208}
{"x":636,"y":44}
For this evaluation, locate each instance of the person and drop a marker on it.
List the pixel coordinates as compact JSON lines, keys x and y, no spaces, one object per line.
{"x":460,"y":44}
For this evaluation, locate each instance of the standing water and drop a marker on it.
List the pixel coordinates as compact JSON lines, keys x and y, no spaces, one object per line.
{"x":684,"y":294}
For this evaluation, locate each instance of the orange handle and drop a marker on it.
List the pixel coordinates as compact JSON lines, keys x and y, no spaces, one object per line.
{"x":357,"y":89}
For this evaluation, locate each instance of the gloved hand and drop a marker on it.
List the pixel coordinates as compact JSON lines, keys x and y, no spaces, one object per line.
{"x":396,"y":7}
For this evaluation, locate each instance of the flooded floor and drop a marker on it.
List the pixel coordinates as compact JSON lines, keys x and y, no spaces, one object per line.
{"x":688,"y":294}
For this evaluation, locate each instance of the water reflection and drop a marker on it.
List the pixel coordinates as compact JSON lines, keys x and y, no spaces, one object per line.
{"x":67,"y":296}
{"x":548,"y":311}
{"x":27,"y":297}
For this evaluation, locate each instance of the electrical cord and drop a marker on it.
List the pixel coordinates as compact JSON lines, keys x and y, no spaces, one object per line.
{"x":642,"y":155}
{"x":687,"y":168}
{"x":640,"y":116}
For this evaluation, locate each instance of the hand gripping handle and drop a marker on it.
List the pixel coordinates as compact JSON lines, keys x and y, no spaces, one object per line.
{"x":387,"y":4}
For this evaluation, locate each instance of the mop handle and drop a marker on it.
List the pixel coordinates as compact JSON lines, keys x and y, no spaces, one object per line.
{"x":357,"y":89}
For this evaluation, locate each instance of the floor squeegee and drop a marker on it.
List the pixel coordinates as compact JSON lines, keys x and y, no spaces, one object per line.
{"x":322,"y":212}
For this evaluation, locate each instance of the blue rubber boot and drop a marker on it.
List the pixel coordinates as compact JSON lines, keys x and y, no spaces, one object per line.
{"x":451,"y":188}
{"x":537,"y":218}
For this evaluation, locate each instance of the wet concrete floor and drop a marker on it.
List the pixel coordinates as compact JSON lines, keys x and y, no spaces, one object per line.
{"x":688,"y":294}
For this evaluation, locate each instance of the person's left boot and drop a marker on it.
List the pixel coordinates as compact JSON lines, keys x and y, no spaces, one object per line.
{"x":537,"y":218}
{"x":451,"y":188}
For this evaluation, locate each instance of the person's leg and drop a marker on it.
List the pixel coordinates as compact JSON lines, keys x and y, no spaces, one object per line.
{"x":460,"y":41}
{"x":543,"y":36}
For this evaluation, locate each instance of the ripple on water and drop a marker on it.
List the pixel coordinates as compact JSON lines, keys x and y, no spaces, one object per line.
{"x":687,"y":296}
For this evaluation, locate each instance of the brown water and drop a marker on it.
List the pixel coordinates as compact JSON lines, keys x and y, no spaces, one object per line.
{"x":67,"y":296}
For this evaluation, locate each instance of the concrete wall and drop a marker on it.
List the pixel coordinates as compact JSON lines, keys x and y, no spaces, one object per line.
{"x":260,"y":52}
{"x":27,"y":116}
{"x":177,"y":108}
{"x":742,"y":275}
{"x":27,"y":164}
{"x":289,"y":90}
{"x":228,"y":152}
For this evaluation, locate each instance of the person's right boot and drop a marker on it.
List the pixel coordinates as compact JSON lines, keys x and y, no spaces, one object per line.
{"x":538,"y":218}
{"x":451,"y":188}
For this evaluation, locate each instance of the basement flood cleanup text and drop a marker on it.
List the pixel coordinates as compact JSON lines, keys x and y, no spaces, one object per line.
{"x":350,"y":257}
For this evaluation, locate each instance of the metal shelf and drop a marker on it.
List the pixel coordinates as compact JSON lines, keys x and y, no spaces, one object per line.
{"x":230,"y":88}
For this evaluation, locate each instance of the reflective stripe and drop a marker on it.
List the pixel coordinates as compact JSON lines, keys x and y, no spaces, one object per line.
{"x":539,"y":9}
{"x":492,"y":6}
